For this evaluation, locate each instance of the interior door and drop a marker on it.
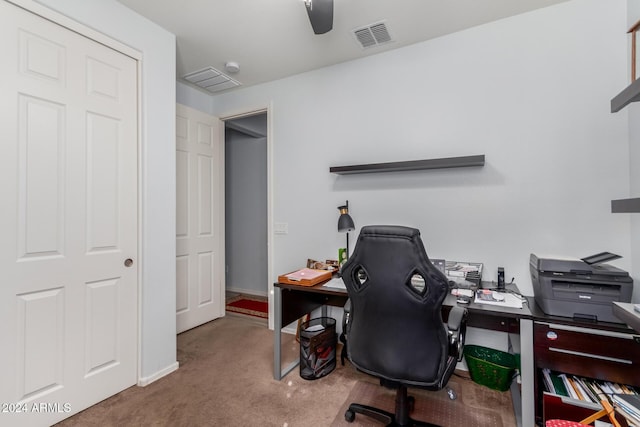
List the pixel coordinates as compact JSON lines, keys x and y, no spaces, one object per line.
{"x":199,"y":218}
{"x":68,"y":252}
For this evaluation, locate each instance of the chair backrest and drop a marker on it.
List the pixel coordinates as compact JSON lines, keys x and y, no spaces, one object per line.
{"x":395,"y":328}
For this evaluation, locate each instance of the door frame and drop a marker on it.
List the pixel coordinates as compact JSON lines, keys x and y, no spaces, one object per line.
{"x":85,"y":31}
{"x":246,"y":112}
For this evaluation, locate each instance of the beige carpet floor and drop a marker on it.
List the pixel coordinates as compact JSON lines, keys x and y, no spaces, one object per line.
{"x":225,"y":379}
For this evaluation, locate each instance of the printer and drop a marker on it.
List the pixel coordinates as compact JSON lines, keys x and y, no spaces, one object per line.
{"x":580,"y":288}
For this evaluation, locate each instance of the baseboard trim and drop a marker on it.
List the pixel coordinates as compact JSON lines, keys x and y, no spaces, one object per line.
{"x":143,"y":382}
{"x":461,"y":372}
{"x":290,"y":330}
{"x":246,"y":291}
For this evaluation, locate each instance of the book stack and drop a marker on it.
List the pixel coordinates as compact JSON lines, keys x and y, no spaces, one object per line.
{"x":628,"y":405}
{"x":624,"y":398}
{"x":469,"y":271}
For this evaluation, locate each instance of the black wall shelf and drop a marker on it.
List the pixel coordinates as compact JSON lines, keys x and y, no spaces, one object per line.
{"x":630,"y":94}
{"x":625,"y":206}
{"x":411,"y":165}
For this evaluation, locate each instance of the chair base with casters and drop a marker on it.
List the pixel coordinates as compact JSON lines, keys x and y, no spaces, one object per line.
{"x":404,"y":407}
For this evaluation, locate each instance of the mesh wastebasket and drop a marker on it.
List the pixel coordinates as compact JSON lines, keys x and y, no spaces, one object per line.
{"x":317,"y":347}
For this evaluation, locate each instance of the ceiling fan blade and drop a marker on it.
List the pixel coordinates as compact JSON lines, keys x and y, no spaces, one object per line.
{"x":321,"y":15}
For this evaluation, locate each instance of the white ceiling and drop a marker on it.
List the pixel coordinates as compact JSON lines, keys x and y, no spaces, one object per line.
{"x":272,"y":39}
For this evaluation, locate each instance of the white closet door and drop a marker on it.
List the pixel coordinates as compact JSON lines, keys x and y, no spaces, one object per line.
{"x":200,"y":264}
{"x":68,"y":186}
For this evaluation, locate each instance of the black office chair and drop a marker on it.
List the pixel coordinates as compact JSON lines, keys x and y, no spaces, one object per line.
{"x":395,"y":329}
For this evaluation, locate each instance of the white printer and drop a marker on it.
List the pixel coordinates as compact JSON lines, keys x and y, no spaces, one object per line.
{"x":580,"y":288}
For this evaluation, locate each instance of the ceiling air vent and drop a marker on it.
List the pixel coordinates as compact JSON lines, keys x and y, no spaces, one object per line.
{"x":372,"y":35}
{"x":211,"y":79}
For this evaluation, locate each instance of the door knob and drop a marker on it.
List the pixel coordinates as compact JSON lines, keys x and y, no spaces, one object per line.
{"x":128,"y":262}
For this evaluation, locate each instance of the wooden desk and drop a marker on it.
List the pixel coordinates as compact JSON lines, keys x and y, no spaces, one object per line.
{"x":292,"y":302}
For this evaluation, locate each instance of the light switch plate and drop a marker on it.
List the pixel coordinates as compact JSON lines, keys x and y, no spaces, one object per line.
{"x":281,"y":228}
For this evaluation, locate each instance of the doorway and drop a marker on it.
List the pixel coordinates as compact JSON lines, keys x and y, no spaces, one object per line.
{"x":246,"y":204}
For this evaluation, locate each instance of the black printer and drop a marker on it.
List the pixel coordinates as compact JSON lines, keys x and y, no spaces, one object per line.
{"x":580,"y":288}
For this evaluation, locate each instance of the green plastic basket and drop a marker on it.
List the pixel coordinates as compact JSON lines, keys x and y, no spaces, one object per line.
{"x":492,"y":368}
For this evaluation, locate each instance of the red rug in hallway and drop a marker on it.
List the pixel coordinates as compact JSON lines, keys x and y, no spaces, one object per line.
{"x":250,"y":305}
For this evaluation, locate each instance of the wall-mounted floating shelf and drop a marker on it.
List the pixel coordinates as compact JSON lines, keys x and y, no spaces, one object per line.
{"x":630,"y":94}
{"x":625,"y":206}
{"x":411,"y":165}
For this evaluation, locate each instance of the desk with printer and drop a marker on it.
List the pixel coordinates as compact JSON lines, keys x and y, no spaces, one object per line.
{"x":568,"y":327}
{"x":576,"y":330}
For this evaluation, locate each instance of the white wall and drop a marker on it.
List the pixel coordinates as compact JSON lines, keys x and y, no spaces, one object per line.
{"x":158,"y":290}
{"x":632,"y":111}
{"x":194,"y":98}
{"x":530,"y":92}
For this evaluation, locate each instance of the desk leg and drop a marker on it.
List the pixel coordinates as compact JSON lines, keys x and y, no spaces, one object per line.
{"x":277,"y":331}
{"x":527,"y":372}
{"x":278,"y":372}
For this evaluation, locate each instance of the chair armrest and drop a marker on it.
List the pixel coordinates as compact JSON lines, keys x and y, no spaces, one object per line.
{"x":456,"y":316}
{"x":457,"y":326}
{"x":345,"y":318}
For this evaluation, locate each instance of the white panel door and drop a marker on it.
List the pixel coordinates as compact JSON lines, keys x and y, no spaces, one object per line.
{"x":200,"y":273}
{"x":68,"y":186}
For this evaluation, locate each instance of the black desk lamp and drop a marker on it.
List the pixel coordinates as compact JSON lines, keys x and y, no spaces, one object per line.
{"x":345,"y":222}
